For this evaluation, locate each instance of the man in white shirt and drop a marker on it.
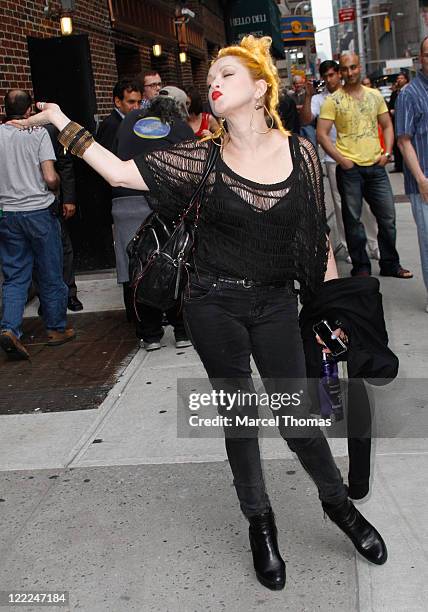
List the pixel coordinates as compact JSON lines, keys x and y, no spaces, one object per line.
{"x":329,"y":72}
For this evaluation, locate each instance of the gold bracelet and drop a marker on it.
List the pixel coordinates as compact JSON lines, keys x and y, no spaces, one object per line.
{"x":82,"y":144}
{"x":76,"y":139}
{"x":67,"y":137}
{"x":69,"y":132}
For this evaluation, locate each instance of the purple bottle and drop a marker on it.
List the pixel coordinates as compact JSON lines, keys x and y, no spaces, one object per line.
{"x":329,"y":390}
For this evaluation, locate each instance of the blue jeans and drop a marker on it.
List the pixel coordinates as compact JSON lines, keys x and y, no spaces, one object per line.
{"x":420,"y":215}
{"x":309,"y":132}
{"x":371,"y":183}
{"x":30,"y":239}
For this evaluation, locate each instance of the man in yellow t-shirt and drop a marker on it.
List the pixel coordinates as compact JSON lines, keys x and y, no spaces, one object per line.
{"x":356,"y":111}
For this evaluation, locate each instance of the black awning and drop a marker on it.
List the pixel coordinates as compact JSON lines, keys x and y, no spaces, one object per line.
{"x":257,"y":17}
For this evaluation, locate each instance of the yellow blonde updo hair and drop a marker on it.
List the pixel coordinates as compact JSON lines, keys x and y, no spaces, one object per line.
{"x":255,"y":55}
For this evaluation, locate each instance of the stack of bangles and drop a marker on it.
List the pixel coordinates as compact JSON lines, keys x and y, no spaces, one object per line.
{"x":75,"y":138}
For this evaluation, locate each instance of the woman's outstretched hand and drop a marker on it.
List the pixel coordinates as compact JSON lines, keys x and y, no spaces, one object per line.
{"x":50,"y":113}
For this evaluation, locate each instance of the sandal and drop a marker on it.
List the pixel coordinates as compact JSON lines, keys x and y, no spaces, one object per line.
{"x":400,"y":273}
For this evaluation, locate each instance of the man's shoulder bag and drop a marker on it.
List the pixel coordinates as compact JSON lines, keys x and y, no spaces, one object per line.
{"x":159,"y":257}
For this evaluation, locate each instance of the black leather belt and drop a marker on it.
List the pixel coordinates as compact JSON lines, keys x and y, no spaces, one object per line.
{"x":245,"y":282}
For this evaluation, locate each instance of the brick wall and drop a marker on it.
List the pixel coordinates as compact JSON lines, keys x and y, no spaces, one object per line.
{"x":22,"y":18}
{"x":19,"y":19}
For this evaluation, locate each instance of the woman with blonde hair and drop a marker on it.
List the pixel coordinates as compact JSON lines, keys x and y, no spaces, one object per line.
{"x":261,"y":226}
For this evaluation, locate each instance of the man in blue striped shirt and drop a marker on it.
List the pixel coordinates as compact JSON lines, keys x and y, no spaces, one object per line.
{"x":411,"y":117}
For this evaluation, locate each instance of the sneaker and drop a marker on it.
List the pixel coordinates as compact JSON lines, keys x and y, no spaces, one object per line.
{"x":60,"y":337}
{"x":343,"y":253}
{"x":12,"y":346}
{"x":184,"y":343}
{"x":150,"y":346}
{"x":374,"y":253}
{"x":346,"y":255}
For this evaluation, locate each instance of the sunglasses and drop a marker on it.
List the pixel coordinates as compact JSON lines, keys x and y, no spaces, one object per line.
{"x":158,"y":84}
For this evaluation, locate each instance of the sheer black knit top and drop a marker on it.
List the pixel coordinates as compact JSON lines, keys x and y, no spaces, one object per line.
{"x":260,"y":232}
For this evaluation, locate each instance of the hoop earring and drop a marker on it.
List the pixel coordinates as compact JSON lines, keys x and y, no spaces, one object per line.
{"x":258,"y":107}
{"x":222,"y":134}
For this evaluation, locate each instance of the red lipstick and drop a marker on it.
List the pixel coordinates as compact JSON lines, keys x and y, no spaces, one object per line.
{"x":216,"y":94}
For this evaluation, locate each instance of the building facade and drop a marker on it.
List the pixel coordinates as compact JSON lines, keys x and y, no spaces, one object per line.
{"x":298,"y":35}
{"x":256,"y":17}
{"x":119,"y":42}
{"x":389,"y":47}
{"x":344,"y":36}
{"x":386,"y":40}
{"x":111,"y":39}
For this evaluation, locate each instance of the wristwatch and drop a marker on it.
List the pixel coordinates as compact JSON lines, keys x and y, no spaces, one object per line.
{"x":387,"y":155}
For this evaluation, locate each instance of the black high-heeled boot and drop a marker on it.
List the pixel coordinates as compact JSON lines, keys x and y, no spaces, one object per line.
{"x":269,"y":566}
{"x":366,"y":539}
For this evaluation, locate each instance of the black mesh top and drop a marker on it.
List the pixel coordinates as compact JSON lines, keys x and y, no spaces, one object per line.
{"x":245,"y":229}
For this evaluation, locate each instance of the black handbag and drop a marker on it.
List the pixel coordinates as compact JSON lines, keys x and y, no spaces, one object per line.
{"x":159,"y":258}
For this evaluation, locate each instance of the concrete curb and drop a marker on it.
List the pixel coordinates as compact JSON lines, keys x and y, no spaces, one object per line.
{"x":107,"y":408}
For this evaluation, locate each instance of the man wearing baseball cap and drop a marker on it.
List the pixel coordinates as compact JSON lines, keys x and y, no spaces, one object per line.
{"x":177,"y":94}
{"x":160,"y":127}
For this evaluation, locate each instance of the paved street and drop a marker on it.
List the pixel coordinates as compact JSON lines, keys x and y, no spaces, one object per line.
{"x":108,"y":504}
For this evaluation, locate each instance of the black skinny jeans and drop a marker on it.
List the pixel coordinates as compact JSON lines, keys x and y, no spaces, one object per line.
{"x":229,"y":323}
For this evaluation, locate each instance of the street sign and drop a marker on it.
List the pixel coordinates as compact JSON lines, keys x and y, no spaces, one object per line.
{"x":346,"y":14}
{"x":296,"y":30}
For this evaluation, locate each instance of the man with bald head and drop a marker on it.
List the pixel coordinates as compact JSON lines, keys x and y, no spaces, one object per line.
{"x":356,"y":110}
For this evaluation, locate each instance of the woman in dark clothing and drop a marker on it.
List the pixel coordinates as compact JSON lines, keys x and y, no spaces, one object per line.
{"x":261,"y":226}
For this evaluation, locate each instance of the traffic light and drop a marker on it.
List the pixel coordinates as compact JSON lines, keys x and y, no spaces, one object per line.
{"x":387,"y":23}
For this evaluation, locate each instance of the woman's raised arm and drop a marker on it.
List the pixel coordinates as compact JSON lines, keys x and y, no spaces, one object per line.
{"x":115,"y":171}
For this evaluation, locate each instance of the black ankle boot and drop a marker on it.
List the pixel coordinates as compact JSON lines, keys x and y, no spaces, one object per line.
{"x":366,"y":539}
{"x":269,"y":566}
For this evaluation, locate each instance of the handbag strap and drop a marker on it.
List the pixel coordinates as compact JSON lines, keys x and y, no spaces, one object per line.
{"x":213,"y":152}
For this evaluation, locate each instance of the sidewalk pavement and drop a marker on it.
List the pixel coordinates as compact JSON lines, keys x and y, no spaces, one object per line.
{"x":110,"y":505}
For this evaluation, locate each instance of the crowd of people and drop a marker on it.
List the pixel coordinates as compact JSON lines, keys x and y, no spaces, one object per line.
{"x":348,"y":118}
{"x":39,"y":176}
{"x":147,"y":116}
{"x":262,"y":226}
